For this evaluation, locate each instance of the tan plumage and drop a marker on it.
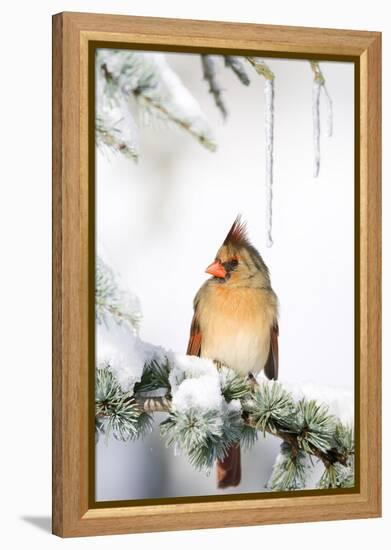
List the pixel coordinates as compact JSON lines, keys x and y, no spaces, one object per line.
{"x":235,"y":321}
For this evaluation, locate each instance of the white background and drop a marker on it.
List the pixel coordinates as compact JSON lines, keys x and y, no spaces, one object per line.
{"x":25,"y":219}
{"x":160,"y":222}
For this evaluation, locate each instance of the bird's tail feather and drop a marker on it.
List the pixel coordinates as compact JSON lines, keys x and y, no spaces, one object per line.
{"x":229,"y":469}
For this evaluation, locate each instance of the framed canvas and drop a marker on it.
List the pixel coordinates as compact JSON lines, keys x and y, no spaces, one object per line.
{"x":249,"y":394}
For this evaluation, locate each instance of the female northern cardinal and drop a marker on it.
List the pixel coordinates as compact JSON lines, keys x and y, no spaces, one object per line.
{"x":235,"y":322}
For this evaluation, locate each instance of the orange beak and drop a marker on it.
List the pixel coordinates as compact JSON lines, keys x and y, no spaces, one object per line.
{"x":216,"y":269}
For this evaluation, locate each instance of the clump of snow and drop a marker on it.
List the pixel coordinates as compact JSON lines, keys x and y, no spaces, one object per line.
{"x":188,"y":366}
{"x":234,"y":405}
{"x":153,"y":352}
{"x":118,"y":348}
{"x":123,"y":352}
{"x":195,"y":383}
{"x":202,"y":393}
{"x":173,"y":86}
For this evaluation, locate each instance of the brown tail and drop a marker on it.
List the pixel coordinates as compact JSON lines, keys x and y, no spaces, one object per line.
{"x":229,"y":470}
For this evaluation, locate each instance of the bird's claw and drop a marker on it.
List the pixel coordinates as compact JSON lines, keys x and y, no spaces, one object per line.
{"x":253,"y":381}
{"x":218,"y":364}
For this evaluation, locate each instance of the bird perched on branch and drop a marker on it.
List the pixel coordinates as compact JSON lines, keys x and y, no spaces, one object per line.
{"x":235,"y":322}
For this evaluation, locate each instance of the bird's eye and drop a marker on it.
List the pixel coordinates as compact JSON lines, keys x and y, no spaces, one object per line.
{"x":230,"y":264}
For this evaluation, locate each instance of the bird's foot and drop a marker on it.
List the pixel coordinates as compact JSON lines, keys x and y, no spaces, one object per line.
{"x":253,"y":381}
{"x":218,"y":364}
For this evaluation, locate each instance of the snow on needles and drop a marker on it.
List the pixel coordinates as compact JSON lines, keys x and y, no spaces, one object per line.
{"x":195,"y":384}
{"x":188,"y":366}
{"x":202,"y":393}
{"x":339,"y":400}
{"x":123,"y":352}
{"x":148,"y":78}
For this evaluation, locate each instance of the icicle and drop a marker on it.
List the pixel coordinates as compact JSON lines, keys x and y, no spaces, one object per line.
{"x":269,"y":141}
{"x":318,"y":87}
{"x":329,"y":107}
{"x":264,"y":70}
{"x":316,"y":125}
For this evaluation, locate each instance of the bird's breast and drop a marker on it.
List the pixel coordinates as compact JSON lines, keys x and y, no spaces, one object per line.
{"x":235,"y":326}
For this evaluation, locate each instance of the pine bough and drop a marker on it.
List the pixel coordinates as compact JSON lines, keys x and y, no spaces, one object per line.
{"x":247,"y":410}
{"x":209,"y":406}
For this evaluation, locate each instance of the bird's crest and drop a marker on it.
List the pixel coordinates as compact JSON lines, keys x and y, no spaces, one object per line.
{"x":237,"y":235}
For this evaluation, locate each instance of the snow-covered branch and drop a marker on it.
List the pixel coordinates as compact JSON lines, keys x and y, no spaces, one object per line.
{"x":115,"y":127}
{"x":112,"y":134}
{"x":144,"y":82}
{"x":209,"y":406}
{"x":212,"y":407}
{"x":210,"y":75}
{"x":237,"y":66}
{"x":210,"y":65}
{"x":110,"y":299}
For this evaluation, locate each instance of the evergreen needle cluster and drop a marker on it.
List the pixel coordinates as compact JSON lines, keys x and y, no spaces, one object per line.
{"x":307,"y":429}
{"x":111,"y":300}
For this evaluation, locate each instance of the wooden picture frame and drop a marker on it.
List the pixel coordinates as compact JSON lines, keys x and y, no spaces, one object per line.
{"x":74,"y":37}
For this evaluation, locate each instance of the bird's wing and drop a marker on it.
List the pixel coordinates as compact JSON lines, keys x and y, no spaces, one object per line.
{"x":194,"y":345}
{"x":271,"y":367}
